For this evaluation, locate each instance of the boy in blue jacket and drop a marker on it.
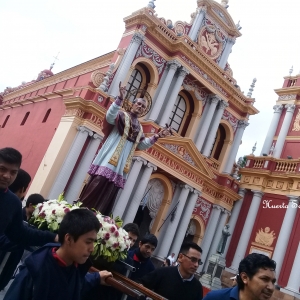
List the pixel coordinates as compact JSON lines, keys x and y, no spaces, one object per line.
{"x":60,"y":271}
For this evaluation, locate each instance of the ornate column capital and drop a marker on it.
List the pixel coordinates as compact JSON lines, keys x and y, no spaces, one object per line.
{"x":290,"y":107}
{"x":278,"y":108}
{"x":242,"y":192}
{"x":242,"y":124}
{"x":186,"y":186}
{"x":257,"y":193}
{"x":82,"y":129}
{"x":214,"y":99}
{"x":216,"y":206}
{"x":293,"y":199}
{"x":150,"y":165}
{"x":223,"y":104}
{"x":173,"y":64}
{"x":183,"y":72}
{"x":140,"y":159}
{"x":197,"y":192}
{"x":97,"y":136}
{"x":137,"y":38}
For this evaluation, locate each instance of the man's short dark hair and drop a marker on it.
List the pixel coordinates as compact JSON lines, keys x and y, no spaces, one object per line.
{"x":78,"y":222}
{"x":34,"y":199}
{"x":11,"y":156}
{"x":133,"y":228}
{"x":150,"y":239}
{"x":185,"y":247}
{"x":21,"y":182}
{"x":251,"y":264}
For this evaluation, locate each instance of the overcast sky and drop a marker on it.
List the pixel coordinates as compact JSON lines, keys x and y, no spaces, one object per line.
{"x":33,"y":32}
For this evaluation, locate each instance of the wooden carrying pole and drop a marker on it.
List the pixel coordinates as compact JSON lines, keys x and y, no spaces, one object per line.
{"x":129,"y":287}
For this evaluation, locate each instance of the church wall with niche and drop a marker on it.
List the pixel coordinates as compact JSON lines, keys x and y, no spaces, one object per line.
{"x":294,"y":129}
{"x":291,"y":148}
{"x":265,"y":229}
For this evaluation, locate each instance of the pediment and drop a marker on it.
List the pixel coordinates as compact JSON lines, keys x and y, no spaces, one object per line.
{"x":185,"y":150}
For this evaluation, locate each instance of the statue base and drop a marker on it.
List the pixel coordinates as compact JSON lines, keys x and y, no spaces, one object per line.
{"x":212,"y":278}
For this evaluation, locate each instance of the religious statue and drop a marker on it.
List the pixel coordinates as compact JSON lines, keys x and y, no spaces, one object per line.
{"x":223,"y":240}
{"x":123,"y":135}
{"x":265,"y":237}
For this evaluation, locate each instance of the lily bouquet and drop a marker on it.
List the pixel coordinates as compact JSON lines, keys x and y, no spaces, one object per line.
{"x":112,"y":240}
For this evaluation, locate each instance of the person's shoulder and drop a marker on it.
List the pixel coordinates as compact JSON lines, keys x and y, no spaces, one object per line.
{"x":222,"y":294}
{"x":12,"y":200}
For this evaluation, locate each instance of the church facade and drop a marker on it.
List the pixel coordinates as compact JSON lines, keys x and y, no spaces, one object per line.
{"x":269,"y":223}
{"x":186,"y":186}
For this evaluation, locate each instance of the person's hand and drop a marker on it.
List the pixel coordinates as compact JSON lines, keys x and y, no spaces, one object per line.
{"x":167,"y":131}
{"x":103,"y":276}
{"x":56,"y":239}
{"x":122,"y":91}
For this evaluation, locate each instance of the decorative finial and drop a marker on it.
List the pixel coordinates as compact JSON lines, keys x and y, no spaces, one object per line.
{"x":151,"y":4}
{"x":253,"y":148}
{"x":224,"y":3}
{"x":291,"y":70}
{"x":249,"y":95}
{"x":55,"y":58}
{"x":238,"y":26}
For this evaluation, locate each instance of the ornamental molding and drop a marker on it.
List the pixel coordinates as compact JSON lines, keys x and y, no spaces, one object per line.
{"x":287,"y":97}
{"x":190,"y":85}
{"x":181,"y":152}
{"x":74,"y":112}
{"x":146,"y":51}
{"x":204,"y":75}
{"x":203,"y":208}
{"x":233,"y":121}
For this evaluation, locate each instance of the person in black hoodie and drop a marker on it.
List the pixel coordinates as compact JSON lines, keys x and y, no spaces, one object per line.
{"x":11,"y":220}
{"x":60,"y":271}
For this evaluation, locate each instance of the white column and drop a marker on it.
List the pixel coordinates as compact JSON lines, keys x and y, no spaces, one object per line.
{"x":72,"y":193}
{"x":224,"y":57}
{"x":160,"y":85}
{"x":235,"y":146}
{"x":294,"y":279}
{"x":217,"y":237}
{"x":69,"y":163}
{"x":171,"y":101}
{"x":284,"y":130}
{"x":209,"y":232}
{"x":163,"y":229}
{"x":172,"y":226}
{"x":206,"y":123}
{"x":247,"y":230}
{"x":184,"y":222}
{"x":285,"y":232}
{"x":203,"y":115}
{"x":209,"y":142}
{"x":123,"y":199}
{"x":272,"y":129}
{"x":173,"y":65}
{"x":233,"y":218}
{"x":126,"y":62}
{"x":197,"y":23}
{"x":138,"y":194}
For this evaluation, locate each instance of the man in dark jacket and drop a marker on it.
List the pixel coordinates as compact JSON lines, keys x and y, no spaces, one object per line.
{"x":177,"y":283}
{"x":255,"y":280}
{"x":60,"y":271}
{"x":11,"y":220}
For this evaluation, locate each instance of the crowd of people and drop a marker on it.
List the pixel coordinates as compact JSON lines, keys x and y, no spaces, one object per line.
{"x":59,"y":268}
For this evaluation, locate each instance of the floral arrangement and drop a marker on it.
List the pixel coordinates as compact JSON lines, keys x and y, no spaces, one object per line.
{"x":112,"y":240}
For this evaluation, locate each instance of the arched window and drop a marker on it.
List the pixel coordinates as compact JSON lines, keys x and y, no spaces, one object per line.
{"x":5,"y":121}
{"x":46,"y":115}
{"x":177,"y":113}
{"x":134,"y":82}
{"x":25,"y":118}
